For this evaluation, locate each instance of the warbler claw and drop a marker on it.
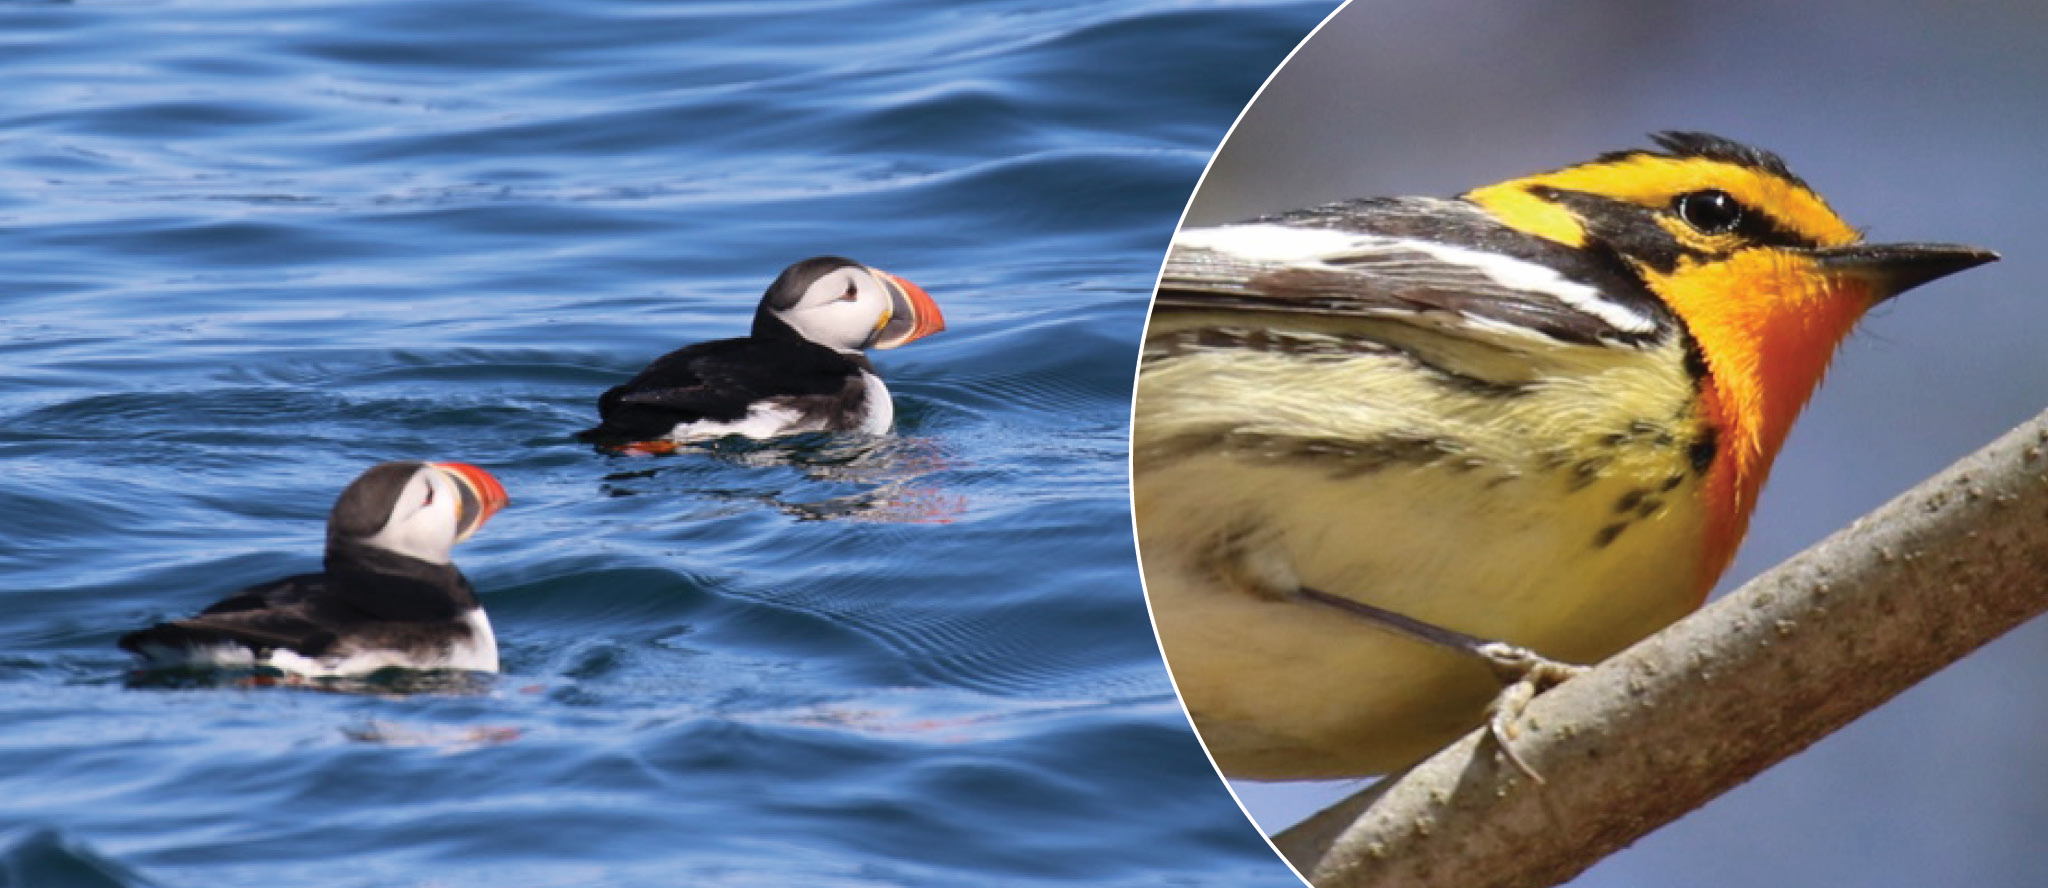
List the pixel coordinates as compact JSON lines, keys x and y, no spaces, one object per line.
{"x":1516,"y":664}
{"x":1524,"y":674}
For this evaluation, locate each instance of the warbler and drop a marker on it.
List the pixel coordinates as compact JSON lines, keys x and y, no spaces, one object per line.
{"x":1383,"y":447}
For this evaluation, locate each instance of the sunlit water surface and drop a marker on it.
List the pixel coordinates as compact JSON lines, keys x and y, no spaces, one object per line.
{"x":249,"y":249}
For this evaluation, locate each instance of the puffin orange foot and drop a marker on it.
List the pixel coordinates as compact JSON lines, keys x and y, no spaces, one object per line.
{"x":648,"y":448}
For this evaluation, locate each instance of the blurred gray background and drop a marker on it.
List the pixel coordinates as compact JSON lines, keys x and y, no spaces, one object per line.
{"x":1918,"y":121}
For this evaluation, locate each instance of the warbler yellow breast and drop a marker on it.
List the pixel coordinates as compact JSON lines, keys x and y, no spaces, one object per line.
{"x":1538,"y":413}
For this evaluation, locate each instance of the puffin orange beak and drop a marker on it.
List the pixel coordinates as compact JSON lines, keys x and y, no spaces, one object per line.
{"x":482,"y":495}
{"x":912,"y":313}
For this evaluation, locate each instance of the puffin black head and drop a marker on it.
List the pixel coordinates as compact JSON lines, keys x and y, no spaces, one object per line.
{"x":416,"y":509}
{"x":844,"y":305}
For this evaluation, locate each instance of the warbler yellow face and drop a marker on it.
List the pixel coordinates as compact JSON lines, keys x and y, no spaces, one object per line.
{"x":1538,"y":413}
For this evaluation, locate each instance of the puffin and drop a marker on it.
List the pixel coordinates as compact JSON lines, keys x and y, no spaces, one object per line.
{"x":804,"y":368}
{"x":389,"y":596}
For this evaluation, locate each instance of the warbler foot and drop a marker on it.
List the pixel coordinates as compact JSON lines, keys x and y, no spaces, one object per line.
{"x":1523,"y":673}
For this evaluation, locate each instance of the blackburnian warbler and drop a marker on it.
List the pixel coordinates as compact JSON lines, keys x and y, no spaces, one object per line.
{"x":1537,"y":415}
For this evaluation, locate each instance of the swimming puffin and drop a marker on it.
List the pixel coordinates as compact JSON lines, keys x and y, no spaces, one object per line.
{"x":803,"y":369}
{"x":389,"y":596}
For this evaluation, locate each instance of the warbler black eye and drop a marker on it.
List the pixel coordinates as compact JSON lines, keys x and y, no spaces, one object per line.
{"x":1712,"y":211}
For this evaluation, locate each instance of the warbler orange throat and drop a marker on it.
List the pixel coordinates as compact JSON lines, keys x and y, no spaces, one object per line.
{"x":1371,"y":433}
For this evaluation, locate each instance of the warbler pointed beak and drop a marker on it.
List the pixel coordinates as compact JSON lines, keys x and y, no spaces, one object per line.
{"x":912,"y":313}
{"x":1891,"y":269}
{"x":482,"y":495}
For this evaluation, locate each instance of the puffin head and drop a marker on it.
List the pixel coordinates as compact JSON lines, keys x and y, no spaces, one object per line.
{"x":416,"y":509}
{"x":844,"y":305}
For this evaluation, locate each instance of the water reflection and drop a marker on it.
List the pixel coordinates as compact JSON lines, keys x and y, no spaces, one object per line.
{"x":887,"y":479}
{"x":393,"y":682}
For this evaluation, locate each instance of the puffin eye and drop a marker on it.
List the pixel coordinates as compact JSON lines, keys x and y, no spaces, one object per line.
{"x":851,"y":293}
{"x":1712,"y":211}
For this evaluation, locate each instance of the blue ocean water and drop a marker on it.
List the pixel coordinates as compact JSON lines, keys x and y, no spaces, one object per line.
{"x":249,"y":249}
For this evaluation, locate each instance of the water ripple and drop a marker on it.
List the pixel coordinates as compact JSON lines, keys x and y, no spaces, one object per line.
{"x":255,"y":247}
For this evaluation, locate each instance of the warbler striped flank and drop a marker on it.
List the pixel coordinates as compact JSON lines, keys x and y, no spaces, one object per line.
{"x":1379,"y":442}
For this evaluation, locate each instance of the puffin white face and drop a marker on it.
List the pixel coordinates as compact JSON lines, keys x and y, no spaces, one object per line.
{"x":439,"y":506}
{"x":843,"y":309}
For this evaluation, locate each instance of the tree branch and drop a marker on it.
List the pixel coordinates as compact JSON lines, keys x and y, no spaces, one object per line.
{"x":1709,"y":702}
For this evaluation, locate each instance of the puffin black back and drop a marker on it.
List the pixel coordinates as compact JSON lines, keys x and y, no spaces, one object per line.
{"x":388,"y":596}
{"x":802,"y":367}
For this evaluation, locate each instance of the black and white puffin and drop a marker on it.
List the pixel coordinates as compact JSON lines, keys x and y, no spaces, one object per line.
{"x":389,"y":596}
{"x":803,"y":369}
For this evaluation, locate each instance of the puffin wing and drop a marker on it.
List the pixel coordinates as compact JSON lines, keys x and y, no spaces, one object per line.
{"x":262,"y":618}
{"x":720,"y":382}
